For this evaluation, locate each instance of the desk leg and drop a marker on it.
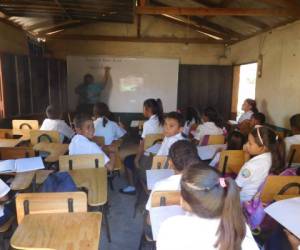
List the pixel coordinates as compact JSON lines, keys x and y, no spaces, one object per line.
{"x":103,"y":209}
{"x":34,"y":183}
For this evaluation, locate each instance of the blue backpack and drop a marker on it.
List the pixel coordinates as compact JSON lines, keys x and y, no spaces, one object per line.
{"x":59,"y":182}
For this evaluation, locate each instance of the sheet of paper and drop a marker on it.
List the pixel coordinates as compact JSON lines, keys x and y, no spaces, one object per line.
{"x":159,"y":214}
{"x":153,"y":149}
{"x":209,"y":151}
{"x":233,"y":122}
{"x":29,"y":164}
{"x":286,"y":212}
{"x":7,"y":166}
{"x":155,"y":175}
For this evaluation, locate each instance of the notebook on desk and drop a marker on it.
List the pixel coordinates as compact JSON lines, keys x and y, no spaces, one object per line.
{"x":21,"y":165}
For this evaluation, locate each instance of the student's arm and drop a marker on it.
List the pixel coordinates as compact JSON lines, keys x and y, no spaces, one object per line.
{"x":106,"y":77}
{"x":3,"y":199}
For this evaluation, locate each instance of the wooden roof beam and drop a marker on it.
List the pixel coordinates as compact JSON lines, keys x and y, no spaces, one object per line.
{"x":282,"y":3}
{"x":200,"y":11}
{"x":63,"y":9}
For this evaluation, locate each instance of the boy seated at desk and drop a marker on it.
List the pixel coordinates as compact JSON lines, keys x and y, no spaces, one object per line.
{"x":53,"y":122}
{"x":82,"y":142}
{"x":5,"y":210}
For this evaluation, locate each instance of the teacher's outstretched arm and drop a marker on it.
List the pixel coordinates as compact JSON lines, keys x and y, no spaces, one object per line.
{"x":106,"y":76}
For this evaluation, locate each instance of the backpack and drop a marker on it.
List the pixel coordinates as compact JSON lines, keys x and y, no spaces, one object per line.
{"x":59,"y":182}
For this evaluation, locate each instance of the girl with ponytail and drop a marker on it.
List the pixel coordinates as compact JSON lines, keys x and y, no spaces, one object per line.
{"x":153,"y":111}
{"x":214,"y":218}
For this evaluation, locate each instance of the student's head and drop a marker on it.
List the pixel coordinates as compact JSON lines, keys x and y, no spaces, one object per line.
{"x":154,"y":107}
{"x":249,"y":105}
{"x":211,"y":115}
{"x":190,"y":114}
{"x":84,"y":125}
{"x":100,"y":109}
{"x":235,"y":140}
{"x":53,"y":112}
{"x":258,"y":119}
{"x":295,"y":123}
{"x":182,"y":154}
{"x":263,"y":139}
{"x":173,"y":124}
{"x":209,"y":196}
{"x":88,"y":78}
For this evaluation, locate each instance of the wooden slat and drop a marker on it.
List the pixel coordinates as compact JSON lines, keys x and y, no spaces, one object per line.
{"x":199,"y":11}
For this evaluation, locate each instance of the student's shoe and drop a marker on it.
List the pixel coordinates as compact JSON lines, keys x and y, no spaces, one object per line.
{"x":128,"y":190}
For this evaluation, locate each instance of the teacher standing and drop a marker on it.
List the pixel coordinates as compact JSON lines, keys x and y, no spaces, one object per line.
{"x":89,"y":91}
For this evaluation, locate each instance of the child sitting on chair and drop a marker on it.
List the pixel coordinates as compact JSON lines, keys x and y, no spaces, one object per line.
{"x":53,"y":122}
{"x":5,"y":210}
{"x":82,"y":142}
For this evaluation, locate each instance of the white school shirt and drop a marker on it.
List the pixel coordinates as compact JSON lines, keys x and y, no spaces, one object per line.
{"x":253,"y":173}
{"x":289,"y":141}
{"x":187,"y":127}
{"x":152,"y":126}
{"x":245,"y":116}
{"x":168,"y":142}
{"x":171,"y":183}
{"x":81,"y":145}
{"x":59,"y":126}
{"x":111,"y":132}
{"x":207,"y":128}
{"x":190,"y":232}
{"x":4,"y":189}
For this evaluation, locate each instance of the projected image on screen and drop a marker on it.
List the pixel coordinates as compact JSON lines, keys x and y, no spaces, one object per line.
{"x":131,"y":83}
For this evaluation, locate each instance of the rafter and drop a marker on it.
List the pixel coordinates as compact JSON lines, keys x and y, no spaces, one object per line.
{"x":63,"y":9}
{"x":199,"y":11}
{"x":283,"y":3}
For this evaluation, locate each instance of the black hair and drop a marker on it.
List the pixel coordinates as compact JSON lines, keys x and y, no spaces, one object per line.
{"x":88,"y":76}
{"x":156,"y":107}
{"x":213,"y":116}
{"x":253,"y":105}
{"x":81,"y":118}
{"x":53,"y":112}
{"x":235,"y":140}
{"x":260,"y":117}
{"x":176,"y":116}
{"x":101,"y":110}
{"x":265,"y":136}
{"x":295,"y":121}
{"x":191,"y":113}
{"x":183,"y":154}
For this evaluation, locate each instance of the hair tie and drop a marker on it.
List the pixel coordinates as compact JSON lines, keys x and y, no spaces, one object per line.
{"x":222,"y":182}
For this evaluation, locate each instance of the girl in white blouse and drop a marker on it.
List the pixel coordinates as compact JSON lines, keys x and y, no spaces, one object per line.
{"x":249,"y":108}
{"x":214,"y":220}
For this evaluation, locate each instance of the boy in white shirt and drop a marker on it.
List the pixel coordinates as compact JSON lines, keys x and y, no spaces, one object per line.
{"x":53,"y":122}
{"x":295,"y":138}
{"x":5,"y":211}
{"x":181,"y":155}
{"x":82,"y":142}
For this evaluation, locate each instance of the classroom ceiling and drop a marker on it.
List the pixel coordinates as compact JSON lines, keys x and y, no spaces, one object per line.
{"x":225,"y":21}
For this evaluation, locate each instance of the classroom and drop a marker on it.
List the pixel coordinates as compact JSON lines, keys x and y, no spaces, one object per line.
{"x":149,"y":124}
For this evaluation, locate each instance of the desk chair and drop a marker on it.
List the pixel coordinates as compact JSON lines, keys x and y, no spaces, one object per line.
{"x":37,"y":136}
{"x":16,"y":153}
{"x":25,"y":124}
{"x":61,"y":202}
{"x":231,"y":161}
{"x":151,"y":139}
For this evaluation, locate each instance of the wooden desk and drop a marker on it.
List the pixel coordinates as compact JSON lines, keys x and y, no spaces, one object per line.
{"x":95,"y":181}
{"x":64,"y":231}
{"x":54,"y":149}
{"x":10,"y":143}
{"x":22,"y":181}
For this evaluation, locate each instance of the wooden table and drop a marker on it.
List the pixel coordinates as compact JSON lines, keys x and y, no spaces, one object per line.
{"x":95,"y":181}
{"x":54,"y":149}
{"x":10,"y":143}
{"x":61,"y":231}
{"x":22,"y":181}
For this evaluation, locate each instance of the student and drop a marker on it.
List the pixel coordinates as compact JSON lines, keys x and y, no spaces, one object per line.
{"x":212,"y":125}
{"x":267,"y":153}
{"x":5,"y":211}
{"x":81,"y":143}
{"x":295,"y":138}
{"x":173,"y":128}
{"x":191,"y":117}
{"x":257,"y":119}
{"x":235,"y":141}
{"x":153,"y":111}
{"x":53,"y":122}
{"x":214,"y":218}
{"x":110,"y":130}
{"x":181,"y":155}
{"x":249,"y":108}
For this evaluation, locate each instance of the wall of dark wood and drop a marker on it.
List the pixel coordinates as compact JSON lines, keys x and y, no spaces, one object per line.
{"x":31,"y":83}
{"x":201,"y":86}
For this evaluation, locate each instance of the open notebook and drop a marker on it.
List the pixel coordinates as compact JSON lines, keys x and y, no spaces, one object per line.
{"x":21,"y":165}
{"x":208,"y":152}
